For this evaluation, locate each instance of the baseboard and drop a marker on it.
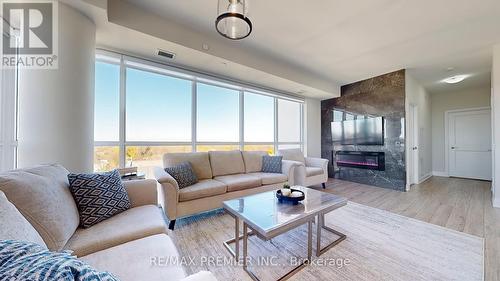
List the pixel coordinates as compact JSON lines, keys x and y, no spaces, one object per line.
{"x":425,"y":177}
{"x":440,"y":174}
{"x":496,"y":202}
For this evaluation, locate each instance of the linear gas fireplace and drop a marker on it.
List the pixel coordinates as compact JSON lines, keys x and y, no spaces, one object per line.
{"x":361,"y":159}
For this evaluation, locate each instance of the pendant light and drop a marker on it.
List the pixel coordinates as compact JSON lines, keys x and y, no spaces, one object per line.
{"x":232,"y":21}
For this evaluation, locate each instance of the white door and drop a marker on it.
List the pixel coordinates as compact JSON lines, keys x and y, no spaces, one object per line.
{"x":414,"y":169}
{"x":469,"y":144}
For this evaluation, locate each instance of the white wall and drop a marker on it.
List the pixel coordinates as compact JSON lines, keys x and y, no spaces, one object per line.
{"x":495,"y":102}
{"x":313,"y":127}
{"x":56,"y":107}
{"x":442,"y":102}
{"x":417,"y":95}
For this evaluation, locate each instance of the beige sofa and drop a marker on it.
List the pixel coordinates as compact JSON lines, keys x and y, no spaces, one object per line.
{"x":222,"y":175}
{"x":36,"y":205}
{"x":312,"y":171}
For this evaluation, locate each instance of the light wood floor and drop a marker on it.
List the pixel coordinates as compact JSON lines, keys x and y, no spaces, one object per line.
{"x":459,"y":204}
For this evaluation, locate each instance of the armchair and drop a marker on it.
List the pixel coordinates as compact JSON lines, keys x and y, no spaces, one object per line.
{"x":313,"y":171}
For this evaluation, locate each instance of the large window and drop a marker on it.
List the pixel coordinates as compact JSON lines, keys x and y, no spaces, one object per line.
{"x":289,"y":121}
{"x":144,"y":110}
{"x":107,"y":102}
{"x":158,"y":107}
{"x":217,"y":111}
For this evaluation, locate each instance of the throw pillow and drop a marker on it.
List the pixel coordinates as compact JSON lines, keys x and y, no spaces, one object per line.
{"x":183,"y":174}
{"x":271,"y":164}
{"x":23,"y":260}
{"x":98,"y":196}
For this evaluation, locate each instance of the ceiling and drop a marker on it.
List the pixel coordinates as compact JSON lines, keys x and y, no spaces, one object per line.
{"x":314,"y":48}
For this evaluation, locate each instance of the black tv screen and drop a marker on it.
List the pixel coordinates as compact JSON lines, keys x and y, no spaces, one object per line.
{"x":367,"y":131}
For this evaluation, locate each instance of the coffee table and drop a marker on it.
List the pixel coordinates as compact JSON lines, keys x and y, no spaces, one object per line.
{"x":267,"y":218}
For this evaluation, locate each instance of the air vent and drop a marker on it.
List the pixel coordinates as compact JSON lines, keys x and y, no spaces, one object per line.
{"x":165,"y":54}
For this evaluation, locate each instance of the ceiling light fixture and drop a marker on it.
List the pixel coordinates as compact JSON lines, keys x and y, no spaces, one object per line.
{"x":232,"y":21}
{"x":455,"y":79}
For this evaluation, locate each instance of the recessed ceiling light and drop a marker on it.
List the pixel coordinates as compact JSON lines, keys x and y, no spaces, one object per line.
{"x":455,"y":79}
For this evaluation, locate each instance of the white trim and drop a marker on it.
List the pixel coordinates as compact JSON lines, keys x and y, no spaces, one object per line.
{"x":424,"y":177}
{"x":446,"y":136}
{"x":495,"y":202}
{"x":440,"y":174}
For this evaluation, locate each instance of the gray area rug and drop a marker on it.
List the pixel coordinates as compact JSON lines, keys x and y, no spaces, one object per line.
{"x":380,"y":246}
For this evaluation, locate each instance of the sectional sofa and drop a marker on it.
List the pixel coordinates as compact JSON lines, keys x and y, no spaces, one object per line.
{"x":222,"y":175}
{"x":36,"y":206}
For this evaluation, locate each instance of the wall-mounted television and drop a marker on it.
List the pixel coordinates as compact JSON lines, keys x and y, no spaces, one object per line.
{"x":365,"y":131}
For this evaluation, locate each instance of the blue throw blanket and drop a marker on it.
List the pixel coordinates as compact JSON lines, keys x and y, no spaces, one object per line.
{"x":21,"y":260}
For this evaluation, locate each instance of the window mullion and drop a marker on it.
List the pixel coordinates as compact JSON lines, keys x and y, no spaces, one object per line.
{"x":242,"y":119}
{"x":194,"y":103}
{"x":276,"y":125}
{"x":123,"y":108}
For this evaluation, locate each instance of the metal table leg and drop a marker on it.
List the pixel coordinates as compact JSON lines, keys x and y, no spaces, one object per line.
{"x":236,"y":240}
{"x":321,"y":225}
{"x":288,"y":274}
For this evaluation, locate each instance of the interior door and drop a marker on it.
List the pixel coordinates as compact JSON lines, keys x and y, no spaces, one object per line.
{"x":469,"y":144}
{"x":413,"y":131}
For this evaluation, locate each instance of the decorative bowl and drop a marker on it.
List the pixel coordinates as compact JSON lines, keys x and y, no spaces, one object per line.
{"x":290,"y":199}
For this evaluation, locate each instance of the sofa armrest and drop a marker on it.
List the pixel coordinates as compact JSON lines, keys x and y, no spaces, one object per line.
{"x":201,"y":276}
{"x":317,"y":162}
{"x":142,"y":192}
{"x":288,"y":168}
{"x":169,"y":191}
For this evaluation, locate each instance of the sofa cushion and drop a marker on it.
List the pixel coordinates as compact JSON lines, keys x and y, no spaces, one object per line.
{"x":253,"y":160}
{"x":313,"y":171}
{"x":183,"y":174}
{"x":132,"y":224}
{"x":271,"y":164}
{"x":14,"y":225}
{"x":42,"y":195}
{"x":204,"y":188}
{"x":226,"y":162}
{"x":239,"y":181}
{"x":294,"y":154}
{"x":198,"y":160}
{"x":151,"y":258}
{"x":270,"y":178}
{"x":23,"y":260}
{"x":98,"y":196}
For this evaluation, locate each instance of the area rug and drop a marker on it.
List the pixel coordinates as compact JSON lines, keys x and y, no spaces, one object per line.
{"x":380,"y":246}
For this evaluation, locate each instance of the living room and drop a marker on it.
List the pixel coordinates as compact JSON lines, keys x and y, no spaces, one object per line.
{"x":215,"y":140}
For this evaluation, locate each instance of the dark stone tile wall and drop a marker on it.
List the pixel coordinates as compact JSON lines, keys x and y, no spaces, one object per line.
{"x":379,"y":96}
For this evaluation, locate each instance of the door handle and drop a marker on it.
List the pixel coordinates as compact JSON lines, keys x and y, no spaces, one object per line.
{"x":454,"y":147}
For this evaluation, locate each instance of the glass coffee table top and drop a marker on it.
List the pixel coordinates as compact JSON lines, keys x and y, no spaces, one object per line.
{"x":264,"y":214}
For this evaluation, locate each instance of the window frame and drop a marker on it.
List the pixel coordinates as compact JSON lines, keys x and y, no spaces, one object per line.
{"x":125,"y":61}
{"x":9,"y":116}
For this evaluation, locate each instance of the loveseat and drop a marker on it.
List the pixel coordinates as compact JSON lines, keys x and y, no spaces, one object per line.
{"x":222,"y":175}
{"x":36,"y":205}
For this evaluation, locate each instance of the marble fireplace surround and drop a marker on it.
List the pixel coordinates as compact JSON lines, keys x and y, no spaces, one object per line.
{"x":379,"y":96}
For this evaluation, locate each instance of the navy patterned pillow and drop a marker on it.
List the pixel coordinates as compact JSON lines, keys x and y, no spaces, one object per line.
{"x":183,"y":174}
{"x":22,"y":260}
{"x":271,"y":164}
{"x":98,"y":196}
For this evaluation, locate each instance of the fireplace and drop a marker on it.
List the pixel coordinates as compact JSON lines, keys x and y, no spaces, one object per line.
{"x":361,"y":159}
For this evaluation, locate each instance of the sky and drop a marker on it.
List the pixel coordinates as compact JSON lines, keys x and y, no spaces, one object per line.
{"x":158,"y":108}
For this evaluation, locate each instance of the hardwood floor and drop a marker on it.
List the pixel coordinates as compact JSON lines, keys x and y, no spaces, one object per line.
{"x":460,"y":204}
